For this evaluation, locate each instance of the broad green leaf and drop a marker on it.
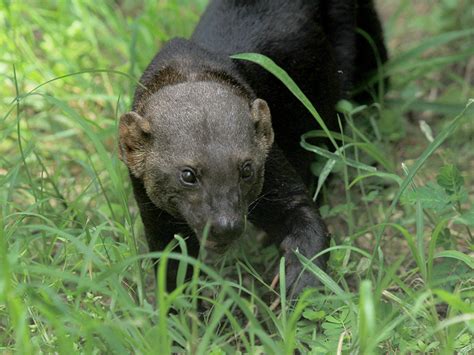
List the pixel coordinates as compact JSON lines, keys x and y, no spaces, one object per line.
{"x":454,"y":254}
{"x":432,"y":246}
{"x":371,"y":149}
{"x":283,"y":76}
{"x":367,"y":322}
{"x":314,"y":315}
{"x":322,"y":276}
{"x":450,"y":179}
{"x":466,"y":218}
{"x":383,"y":176}
{"x":419,"y":105}
{"x":430,"y":196}
{"x":323,"y":176}
{"x":336,"y":156}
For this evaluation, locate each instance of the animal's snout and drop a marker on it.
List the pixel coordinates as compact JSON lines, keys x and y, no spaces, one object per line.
{"x":225,"y":228}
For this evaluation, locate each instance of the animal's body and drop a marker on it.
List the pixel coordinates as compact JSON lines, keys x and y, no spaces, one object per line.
{"x":215,"y":140}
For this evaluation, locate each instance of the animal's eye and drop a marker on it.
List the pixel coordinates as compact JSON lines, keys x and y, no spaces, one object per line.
{"x":188,"y":177}
{"x":247,"y":171}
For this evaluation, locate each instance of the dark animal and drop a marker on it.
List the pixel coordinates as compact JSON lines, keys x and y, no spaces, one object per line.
{"x":211,"y":140}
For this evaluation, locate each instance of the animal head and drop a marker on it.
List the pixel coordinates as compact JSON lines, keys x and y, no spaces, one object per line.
{"x":200,"y":150}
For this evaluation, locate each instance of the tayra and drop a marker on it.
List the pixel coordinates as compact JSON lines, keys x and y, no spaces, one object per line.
{"x":215,"y":141}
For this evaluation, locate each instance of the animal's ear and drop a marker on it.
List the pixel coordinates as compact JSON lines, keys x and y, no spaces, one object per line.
{"x":263,"y":122}
{"x":134,"y":133}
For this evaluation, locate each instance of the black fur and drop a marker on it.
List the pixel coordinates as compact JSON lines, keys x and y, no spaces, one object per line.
{"x":316,"y":43}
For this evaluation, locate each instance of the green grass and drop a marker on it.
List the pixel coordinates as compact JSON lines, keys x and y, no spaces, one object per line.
{"x":75,"y":274}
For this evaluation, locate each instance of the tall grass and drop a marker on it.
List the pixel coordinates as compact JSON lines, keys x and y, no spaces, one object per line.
{"x":75,"y":274}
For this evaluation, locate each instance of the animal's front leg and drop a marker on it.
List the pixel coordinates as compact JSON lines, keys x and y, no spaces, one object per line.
{"x":307,"y":234}
{"x":160,"y":228}
{"x":290,"y":217}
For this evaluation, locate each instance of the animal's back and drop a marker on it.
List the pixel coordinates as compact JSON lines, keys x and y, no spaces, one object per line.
{"x":290,"y":33}
{"x":232,"y":26}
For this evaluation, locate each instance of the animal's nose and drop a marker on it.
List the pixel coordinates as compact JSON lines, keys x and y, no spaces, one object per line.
{"x":226,"y":228}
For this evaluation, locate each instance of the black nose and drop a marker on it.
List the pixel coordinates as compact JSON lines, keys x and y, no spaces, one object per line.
{"x":225,"y":228}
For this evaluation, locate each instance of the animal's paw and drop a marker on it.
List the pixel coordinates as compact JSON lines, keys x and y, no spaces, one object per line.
{"x":296,"y":280}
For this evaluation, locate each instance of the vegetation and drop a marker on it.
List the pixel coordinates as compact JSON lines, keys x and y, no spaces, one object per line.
{"x":74,"y":271}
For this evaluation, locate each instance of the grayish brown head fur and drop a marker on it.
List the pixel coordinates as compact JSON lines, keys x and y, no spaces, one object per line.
{"x":205,"y":128}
